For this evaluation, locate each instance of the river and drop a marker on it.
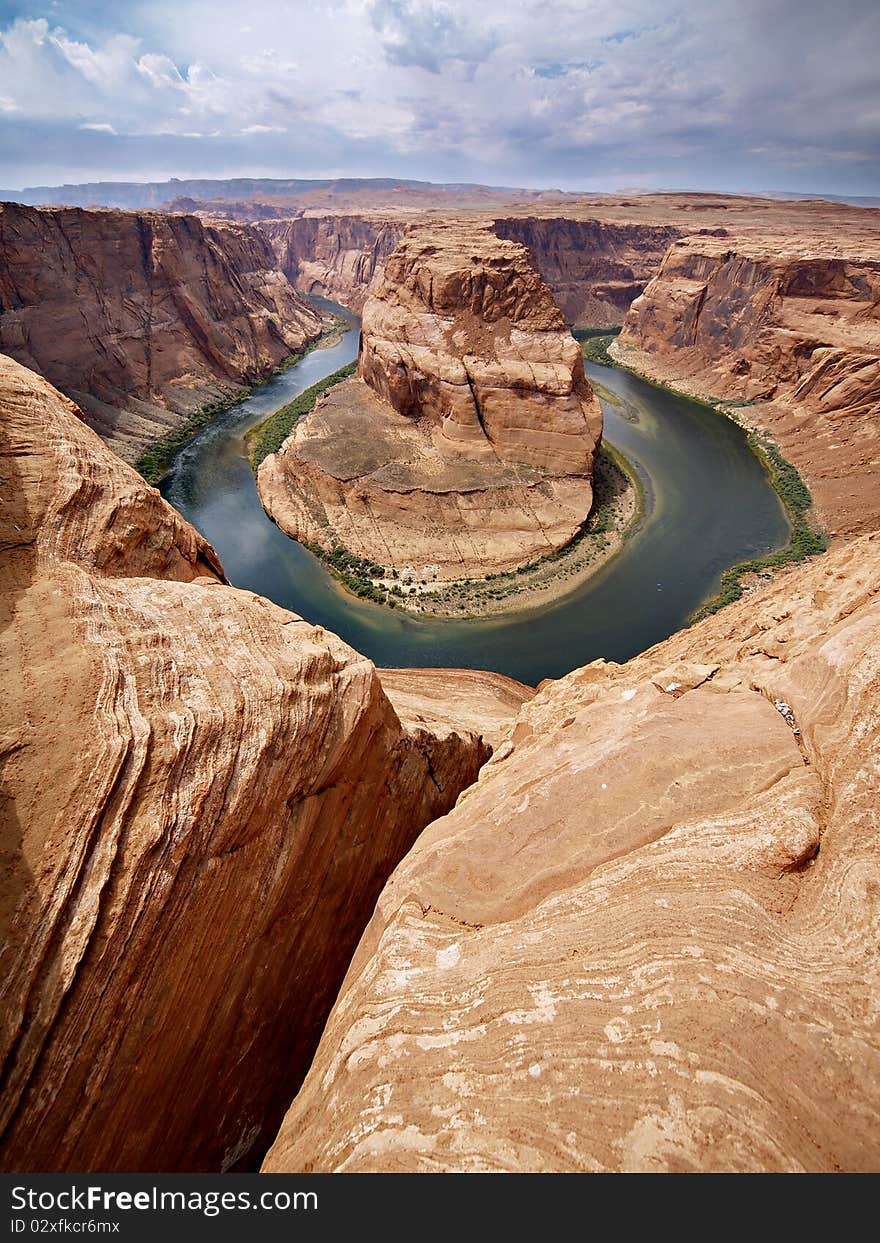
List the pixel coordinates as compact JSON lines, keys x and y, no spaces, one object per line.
{"x":709,"y":504}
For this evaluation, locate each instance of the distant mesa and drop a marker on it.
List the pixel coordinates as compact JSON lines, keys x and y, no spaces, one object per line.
{"x":467,"y":441}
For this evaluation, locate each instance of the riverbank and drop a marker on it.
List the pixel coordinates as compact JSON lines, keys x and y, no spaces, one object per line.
{"x":619,"y":506}
{"x":806,"y":538}
{"x":156,"y":458}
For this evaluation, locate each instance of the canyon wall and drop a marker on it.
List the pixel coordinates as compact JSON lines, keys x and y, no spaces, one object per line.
{"x":594,"y":268}
{"x":466,"y":444}
{"x":202,"y":795}
{"x":646,"y":939}
{"x":142,"y":318}
{"x":334,"y":256}
{"x":789,"y":334}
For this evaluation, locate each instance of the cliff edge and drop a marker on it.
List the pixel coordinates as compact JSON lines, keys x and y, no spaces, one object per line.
{"x":140,"y":317}
{"x":202,"y":795}
{"x":646,"y":939}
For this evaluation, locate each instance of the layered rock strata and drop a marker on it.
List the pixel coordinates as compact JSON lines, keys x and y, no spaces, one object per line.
{"x":646,"y":940}
{"x":334,"y":256}
{"x":466,"y":444}
{"x":594,"y":268}
{"x":201,"y":798}
{"x":142,"y":318}
{"x":791,"y":335}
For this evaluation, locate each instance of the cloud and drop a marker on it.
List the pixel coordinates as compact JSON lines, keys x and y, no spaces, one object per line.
{"x":559,"y":92}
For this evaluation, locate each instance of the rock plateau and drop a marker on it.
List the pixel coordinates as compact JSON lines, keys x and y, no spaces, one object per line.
{"x":466,"y":444}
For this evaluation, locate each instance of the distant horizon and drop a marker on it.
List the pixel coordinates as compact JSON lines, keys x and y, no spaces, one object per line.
{"x":644,"y":95}
{"x":417,"y":182}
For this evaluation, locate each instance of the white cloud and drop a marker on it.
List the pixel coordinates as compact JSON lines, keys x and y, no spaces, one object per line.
{"x":538,"y":91}
{"x":97,"y":127}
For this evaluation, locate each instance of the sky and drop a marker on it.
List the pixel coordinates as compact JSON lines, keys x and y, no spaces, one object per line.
{"x":570,"y":94}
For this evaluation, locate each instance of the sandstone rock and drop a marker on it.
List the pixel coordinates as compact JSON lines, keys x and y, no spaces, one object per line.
{"x":791,"y":327}
{"x":646,"y":940}
{"x":142,"y":318}
{"x":594,"y":268}
{"x":334,"y":256}
{"x":466,"y":444}
{"x":486,"y":703}
{"x":201,"y":798}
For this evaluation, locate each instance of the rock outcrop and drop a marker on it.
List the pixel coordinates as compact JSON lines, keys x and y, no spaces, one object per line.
{"x":594,"y":268}
{"x":647,"y":939}
{"x":334,"y":256}
{"x":790,"y":333}
{"x":466,"y":444}
{"x":142,"y":318}
{"x":201,"y":798}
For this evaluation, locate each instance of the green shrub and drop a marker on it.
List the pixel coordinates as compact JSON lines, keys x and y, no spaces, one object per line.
{"x":803,"y":541}
{"x":271,"y":435}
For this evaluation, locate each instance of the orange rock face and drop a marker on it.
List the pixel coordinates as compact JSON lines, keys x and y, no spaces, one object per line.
{"x":791,"y":328}
{"x":201,"y":798}
{"x":334,"y":256}
{"x":142,"y":317}
{"x":466,"y":445}
{"x":646,"y":940}
{"x":595,"y":268}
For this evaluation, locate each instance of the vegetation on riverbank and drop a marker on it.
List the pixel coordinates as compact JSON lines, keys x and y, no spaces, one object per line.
{"x":804,"y":541}
{"x":594,"y":343}
{"x":268,"y":436}
{"x":619,"y":504}
{"x":157,"y":457}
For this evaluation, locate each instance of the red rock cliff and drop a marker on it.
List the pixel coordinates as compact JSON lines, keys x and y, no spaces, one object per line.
{"x":141,"y":317}
{"x":595,"y":268}
{"x":466,"y":446}
{"x":790,"y":329}
{"x":334,"y":256}
{"x":201,"y":798}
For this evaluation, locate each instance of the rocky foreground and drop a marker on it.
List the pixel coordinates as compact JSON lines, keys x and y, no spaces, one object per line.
{"x":141,"y":318}
{"x":466,"y":444}
{"x":646,"y":940}
{"x":202,"y":796}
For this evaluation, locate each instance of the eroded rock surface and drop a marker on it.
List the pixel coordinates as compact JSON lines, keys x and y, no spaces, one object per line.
{"x":201,"y":798}
{"x":646,"y":940}
{"x":594,"y":268}
{"x":334,"y":256}
{"x":791,"y":329}
{"x":142,"y":317}
{"x":466,"y":444}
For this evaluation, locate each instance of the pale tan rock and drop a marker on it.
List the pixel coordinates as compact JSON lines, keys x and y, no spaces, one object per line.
{"x":201,"y":798}
{"x":487,"y":703}
{"x":791,"y":327}
{"x":143,"y":317}
{"x":466,"y":445}
{"x":646,"y":939}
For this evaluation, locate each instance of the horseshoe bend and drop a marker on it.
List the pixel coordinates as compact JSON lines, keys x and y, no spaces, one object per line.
{"x":269,"y":903}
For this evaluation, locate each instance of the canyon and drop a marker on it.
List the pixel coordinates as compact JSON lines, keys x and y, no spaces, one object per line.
{"x":143,"y":704}
{"x":143,"y":318}
{"x":465,"y":445}
{"x":627,"y":922}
